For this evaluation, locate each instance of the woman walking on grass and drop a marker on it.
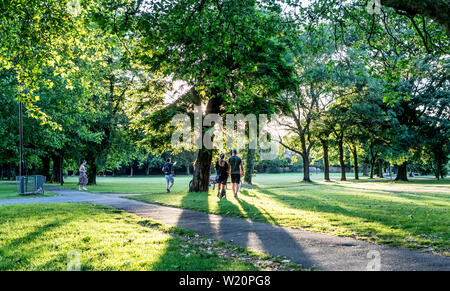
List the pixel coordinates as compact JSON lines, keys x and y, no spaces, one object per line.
{"x":82,"y":178}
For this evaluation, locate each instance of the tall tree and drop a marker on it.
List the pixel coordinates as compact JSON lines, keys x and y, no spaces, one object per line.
{"x":214,"y":46}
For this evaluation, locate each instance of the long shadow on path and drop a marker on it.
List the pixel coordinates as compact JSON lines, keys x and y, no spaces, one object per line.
{"x":260,"y":237}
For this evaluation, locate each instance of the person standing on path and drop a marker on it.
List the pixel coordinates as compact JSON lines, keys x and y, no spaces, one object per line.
{"x":82,"y":178}
{"x":168,"y":170}
{"x":223,"y":172}
{"x":237,"y":171}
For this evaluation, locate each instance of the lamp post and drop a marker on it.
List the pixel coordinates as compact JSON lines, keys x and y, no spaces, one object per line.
{"x":21,"y":180}
{"x":21,"y":139}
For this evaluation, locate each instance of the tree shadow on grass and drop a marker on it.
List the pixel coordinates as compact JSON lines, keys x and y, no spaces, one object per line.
{"x":261,"y":236}
{"x":254,"y":213}
{"x":370,"y":214}
{"x":12,"y":250}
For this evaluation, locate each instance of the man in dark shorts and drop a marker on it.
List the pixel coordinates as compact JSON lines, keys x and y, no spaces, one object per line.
{"x":168,"y":170}
{"x":237,"y":171}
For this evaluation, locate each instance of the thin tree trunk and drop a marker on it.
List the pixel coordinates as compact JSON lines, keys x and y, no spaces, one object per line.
{"x":341,"y":159}
{"x":326,"y":163}
{"x":188,"y":171}
{"x":61,"y":168}
{"x":305,"y":157}
{"x":402,"y":172}
{"x":249,"y":166}
{"x":355,"y":162}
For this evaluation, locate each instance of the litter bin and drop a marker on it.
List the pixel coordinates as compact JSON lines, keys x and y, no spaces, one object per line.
{"x":29,"y":185}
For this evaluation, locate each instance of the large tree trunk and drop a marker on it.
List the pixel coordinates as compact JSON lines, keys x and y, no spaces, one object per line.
{"x":341,"y":159}
{"x":92,"y":171}
{"x":380,"y":168}
{"x":326,"y":163}
{"x":46,"y":168}
{"x":249,"y":166}
{"x":56,"y":171}
{"x":355,"y":162}
{"x":402,"y":172}
{"x":372,"y":170}
{"x":200,"y":181}
{"x":306,"y":174}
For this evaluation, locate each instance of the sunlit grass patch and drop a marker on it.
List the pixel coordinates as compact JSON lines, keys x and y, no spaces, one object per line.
{"x":55,"y":236}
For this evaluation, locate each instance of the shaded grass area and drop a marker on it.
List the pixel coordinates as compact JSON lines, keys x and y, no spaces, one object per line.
{"x":8,"y":191}
{"x":51,"y":236}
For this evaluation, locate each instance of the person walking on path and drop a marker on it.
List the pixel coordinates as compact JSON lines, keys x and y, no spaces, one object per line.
{"x":223,"y":172}
{"x":82,"y":178}
{"x":237,"y":171}
{"x":168,"y":170}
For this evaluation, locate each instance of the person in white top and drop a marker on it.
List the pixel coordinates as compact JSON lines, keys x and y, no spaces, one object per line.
{"x":82,"y":178}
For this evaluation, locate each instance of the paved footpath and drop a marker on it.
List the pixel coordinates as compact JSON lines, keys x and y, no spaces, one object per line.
{"x":309,"y":249}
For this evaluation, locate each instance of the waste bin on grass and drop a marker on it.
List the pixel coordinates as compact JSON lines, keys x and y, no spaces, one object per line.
{"x":30,"y":185}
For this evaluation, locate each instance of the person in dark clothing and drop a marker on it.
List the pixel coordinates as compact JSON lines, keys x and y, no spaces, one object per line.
{"x":237,"y":171}
{"x":168,"y":171}
{"x":223,"y":172}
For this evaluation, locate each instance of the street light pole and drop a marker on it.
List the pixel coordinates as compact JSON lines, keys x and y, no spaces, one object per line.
{"x":21,"y":140}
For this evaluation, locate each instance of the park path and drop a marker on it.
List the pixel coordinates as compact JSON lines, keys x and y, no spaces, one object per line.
{"x":309,"y":249}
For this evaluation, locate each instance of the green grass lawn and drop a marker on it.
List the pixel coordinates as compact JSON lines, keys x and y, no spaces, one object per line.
{"x":8,"y":191}
{"x":413,"y":215}
{"x":51,"y":236}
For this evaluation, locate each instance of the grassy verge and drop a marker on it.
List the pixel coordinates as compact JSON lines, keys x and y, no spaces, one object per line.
{"x":55,"y":236}
{"x":10,"y":192}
